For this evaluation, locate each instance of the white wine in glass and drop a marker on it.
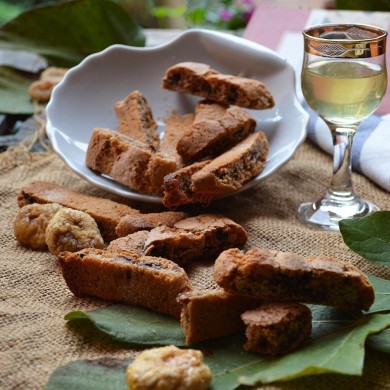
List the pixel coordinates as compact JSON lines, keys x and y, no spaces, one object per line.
{"x":343,"y":80}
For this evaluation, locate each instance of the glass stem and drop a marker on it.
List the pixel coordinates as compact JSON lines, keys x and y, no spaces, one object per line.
{"x":341,"y":189}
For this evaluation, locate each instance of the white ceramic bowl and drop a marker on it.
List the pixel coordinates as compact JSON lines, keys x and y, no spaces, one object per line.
{"x":85,"y":98}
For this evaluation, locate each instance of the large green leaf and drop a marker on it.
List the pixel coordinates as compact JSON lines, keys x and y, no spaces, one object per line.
{"x":66,"y":32}
{"x":133,"y":325}
{"x":369,"y":236}
{"x":14,"y":98}
{"x":97,"y":374}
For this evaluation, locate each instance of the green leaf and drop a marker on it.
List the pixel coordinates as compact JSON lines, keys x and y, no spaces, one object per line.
{"x":339,"y":352}
{"x":168,"y":12}
{"x":66,"y":32}
{"x":14,"y":98}
{"x":369,"y":236}
{"x":97,"y":374}
{"x":382,"y":294}
{"x":380,"y":342}
{"x":227,"y":360}
{"x":134,"y":325}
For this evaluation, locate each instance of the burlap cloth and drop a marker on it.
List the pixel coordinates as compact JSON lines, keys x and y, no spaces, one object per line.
{"x":34,"y":337}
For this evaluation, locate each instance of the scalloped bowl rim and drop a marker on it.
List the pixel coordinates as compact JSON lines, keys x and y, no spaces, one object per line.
{"x":69,"y":142}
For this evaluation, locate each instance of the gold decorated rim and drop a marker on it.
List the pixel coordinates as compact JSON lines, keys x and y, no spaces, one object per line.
{"x":345,"y":40}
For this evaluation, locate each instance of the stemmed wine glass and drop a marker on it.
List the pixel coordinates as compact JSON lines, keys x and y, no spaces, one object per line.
{"x":343,"y":80}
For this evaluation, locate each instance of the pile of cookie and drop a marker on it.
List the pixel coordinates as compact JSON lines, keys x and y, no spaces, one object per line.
{"x":202,"y":155}
{"x":144,"y":256}
{"x":40,"y":90}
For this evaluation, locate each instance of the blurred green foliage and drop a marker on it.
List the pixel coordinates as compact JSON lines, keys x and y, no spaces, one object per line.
{"x":222,"y":14}
{"x":364,"y":5}
{"x":11,"y":8}
{"x":215,"y":14}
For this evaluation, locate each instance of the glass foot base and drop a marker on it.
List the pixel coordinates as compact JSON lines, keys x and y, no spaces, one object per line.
{"x":325,"y":214}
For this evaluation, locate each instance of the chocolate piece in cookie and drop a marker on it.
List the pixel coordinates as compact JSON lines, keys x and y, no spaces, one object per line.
{"x":277,"y":328}
{"x":200,"y":80}
{"x":283,"y":276}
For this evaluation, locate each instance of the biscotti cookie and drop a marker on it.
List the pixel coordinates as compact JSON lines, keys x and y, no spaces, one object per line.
{"x":135,"y":119}
{"x":277,"y":328}
{"x":200,"y":80}
{"x":197,"y":238}
{"x":145,"y":281}
{"x":105,"y":212}
{"x":133,"y":223}
{"x":209,"y":314}
{"x":231,"y":170}
{"x":175,"y":127}
{"x":216,"y":128}
{"x":177,"y":186}
{"x":283,"y":276}
{"x":128,"y":161}
{"x":41,"y":90}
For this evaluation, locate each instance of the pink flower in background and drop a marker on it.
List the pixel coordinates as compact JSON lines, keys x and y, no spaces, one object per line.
{"x":248,"y":14}
{"x":249,"y":7}
{"x":225,"y":14}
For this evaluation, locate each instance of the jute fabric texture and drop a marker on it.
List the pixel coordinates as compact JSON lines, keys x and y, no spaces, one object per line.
{"x":34,"y":337}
